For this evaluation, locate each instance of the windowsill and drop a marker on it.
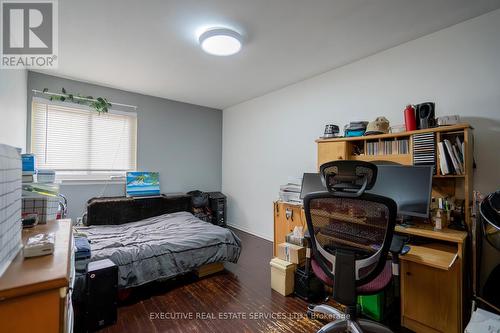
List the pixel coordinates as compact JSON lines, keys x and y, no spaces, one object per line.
{"x":88,"y":181}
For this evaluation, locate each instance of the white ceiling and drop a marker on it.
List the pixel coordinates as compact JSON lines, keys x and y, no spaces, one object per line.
{"x":151,"y":46}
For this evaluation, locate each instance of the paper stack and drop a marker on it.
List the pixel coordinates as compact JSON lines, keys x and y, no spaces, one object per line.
{"x":290,"y":192}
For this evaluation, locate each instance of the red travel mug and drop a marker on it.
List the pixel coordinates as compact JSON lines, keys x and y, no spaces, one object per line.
{"x":410,"y":122}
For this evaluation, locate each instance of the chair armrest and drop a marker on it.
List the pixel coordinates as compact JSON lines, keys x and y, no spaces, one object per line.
{"x":307,"y":243}
{"x":397,"y":248}
{"x":307,"y":238}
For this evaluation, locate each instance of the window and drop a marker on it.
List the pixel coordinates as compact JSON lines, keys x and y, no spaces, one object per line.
{"x":80,"y":143}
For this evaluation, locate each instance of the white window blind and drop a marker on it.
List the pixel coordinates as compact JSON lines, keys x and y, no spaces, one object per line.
{"x":74,"y":140}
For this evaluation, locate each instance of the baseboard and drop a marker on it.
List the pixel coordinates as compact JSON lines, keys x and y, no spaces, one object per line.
{"x":250,"y":232}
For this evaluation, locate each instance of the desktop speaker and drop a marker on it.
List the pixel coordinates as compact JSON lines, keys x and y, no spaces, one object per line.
{"x":426,"y":115}
{"x":101,"y":294}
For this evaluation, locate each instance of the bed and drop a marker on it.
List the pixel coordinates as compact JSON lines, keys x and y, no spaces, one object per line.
{"x":158,"y":247}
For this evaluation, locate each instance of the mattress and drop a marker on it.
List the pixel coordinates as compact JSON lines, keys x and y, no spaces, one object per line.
{"x":161,"y":247}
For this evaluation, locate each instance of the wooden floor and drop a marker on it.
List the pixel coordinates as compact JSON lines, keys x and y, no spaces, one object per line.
{"x":230,"y":301}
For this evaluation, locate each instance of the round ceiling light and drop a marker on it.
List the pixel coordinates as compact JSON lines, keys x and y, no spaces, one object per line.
{"x":221,"y":42}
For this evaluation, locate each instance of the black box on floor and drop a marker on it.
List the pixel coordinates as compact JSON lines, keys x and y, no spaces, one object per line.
{"x":101,"y":294}
{"x":218,"y":206}
{"x":308,"y":286}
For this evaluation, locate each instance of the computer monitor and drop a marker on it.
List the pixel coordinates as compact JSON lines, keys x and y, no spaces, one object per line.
{"x":409,"y":186}
{"x":143,"y":184}
{"x":311,"y":182}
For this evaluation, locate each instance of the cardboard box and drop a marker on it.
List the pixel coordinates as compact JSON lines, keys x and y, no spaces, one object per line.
{"x":292,"y":253}
{"x":282,"y":276}
{"x":45,"y":207}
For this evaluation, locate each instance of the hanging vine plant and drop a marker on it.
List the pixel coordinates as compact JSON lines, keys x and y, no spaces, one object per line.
{"x":99,"y":104}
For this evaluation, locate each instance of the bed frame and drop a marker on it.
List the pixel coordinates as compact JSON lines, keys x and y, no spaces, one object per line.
{"x":121,"y":210}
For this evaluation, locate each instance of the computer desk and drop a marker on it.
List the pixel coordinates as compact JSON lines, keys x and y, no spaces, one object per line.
{"x":433,"y":281}
{"x":434,"y":285}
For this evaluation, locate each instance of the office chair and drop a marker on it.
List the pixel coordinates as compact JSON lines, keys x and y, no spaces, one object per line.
{"x":350,"y":235}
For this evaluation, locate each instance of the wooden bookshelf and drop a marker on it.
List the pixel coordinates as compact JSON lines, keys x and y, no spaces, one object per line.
{"x":446,"y":186}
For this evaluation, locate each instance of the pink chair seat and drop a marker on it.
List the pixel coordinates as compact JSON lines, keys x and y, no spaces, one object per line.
{"x":372,"y":287}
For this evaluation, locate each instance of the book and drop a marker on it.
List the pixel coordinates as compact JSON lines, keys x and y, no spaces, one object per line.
{"x":453,"y":158}
{"x":459,"y":151}
{"x":459,"y":159}
{"x":443,"y":163}
{"x":460,"y":146}
{"x":28,"y":164}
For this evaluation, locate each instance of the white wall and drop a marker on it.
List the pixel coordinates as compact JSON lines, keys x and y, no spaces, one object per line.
{"x":271,"y":138}
{"x":13,"y":85}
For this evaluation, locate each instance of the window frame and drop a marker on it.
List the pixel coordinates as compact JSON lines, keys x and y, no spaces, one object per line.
{"x":85,"y":176}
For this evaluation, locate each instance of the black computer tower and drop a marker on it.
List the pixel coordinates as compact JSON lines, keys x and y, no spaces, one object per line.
{"x":101,"y":294}
{"x":217,"y":204}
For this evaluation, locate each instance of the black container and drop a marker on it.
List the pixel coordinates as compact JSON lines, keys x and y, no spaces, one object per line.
{"x":308,"y":287}
{"x":101,"y":294}
{"x":490,"y":218}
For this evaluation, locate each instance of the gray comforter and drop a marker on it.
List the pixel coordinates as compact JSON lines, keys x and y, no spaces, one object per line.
{"x":161,"y":247}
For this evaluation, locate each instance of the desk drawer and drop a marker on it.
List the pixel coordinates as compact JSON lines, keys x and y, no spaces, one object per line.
{"x":331,"y":151}
{"x":38,"y":312}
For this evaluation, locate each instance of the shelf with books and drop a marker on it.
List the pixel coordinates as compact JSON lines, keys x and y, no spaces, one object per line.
{"x":451,"y":155}
{"x":399,"y":146}
{"x":393,"y":149}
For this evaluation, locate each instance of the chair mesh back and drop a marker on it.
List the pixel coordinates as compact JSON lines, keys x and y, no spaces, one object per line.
{"x":356,"y":224}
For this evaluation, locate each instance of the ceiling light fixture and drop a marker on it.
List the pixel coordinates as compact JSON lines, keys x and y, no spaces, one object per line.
{"x":221,"y":42}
